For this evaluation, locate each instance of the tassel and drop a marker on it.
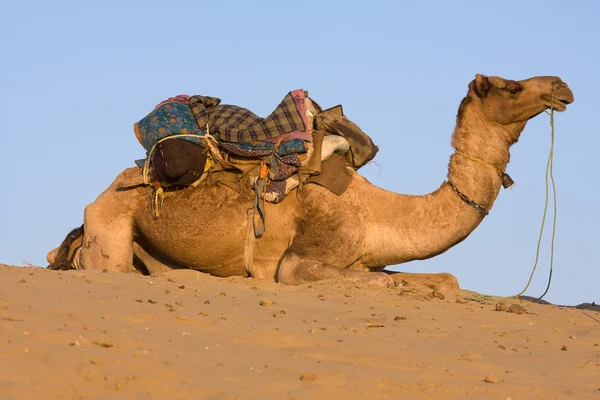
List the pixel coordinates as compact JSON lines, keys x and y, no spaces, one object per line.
{"x":158,"y":198}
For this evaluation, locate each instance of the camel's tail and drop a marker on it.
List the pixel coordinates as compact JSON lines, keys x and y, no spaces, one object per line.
{"x":63,"y":258}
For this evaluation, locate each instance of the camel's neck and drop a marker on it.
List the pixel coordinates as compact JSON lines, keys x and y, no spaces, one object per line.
{"x":402,"y":228}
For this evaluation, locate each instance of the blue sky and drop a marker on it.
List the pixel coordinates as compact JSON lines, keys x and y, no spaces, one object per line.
{"x":75,"y":76}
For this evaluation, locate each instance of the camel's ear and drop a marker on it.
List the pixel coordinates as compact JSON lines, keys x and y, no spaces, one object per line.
{"x":481,"y":86}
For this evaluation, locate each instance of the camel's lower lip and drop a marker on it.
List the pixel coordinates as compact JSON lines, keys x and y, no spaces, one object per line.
{"x":556,"y":104}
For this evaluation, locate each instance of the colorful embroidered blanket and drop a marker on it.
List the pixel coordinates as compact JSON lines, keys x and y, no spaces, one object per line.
{"x":236,"y":124}
{"x":170,"y":117}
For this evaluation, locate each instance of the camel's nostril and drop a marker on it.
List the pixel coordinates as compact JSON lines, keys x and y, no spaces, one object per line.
{"x":560,"y":85}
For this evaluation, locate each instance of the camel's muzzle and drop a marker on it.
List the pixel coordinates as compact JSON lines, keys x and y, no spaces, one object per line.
{"x":562,"y":97}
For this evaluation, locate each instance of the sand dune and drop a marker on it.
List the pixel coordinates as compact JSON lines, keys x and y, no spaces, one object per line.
{"x":187,"y":335}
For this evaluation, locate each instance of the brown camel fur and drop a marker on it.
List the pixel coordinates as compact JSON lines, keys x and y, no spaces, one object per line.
{"x":315,"y":234}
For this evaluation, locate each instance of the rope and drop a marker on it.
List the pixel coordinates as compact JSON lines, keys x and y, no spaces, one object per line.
{"x":549,"y":173}
{"x":157,"y":200}
{"x":506,"y":180}
{"x":500,"y":172}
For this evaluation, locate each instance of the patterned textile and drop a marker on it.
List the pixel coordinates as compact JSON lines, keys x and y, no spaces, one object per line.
{"x":282,"y":157}
{"x":233,"y":148}
{"x":236,"y":124}
{"x":292,"y":135}
{"x":247,"y":149}
{"x":282,"y":167}
{"x":172,"y":117}
{"x":181,"y":98}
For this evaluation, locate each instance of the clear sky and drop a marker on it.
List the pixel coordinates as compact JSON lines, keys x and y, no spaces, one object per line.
{"x":75,"y":76}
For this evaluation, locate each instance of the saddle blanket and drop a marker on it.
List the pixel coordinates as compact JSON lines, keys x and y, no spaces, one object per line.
{"x":231,"y":123}
{"x":171,"y":117}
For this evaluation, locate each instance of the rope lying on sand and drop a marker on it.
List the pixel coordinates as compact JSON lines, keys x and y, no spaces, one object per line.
{"x":549,"y":173}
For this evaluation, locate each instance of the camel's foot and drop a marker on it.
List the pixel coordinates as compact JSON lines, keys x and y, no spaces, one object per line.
{"x":439,"y":281}
{"x":294,"y":270}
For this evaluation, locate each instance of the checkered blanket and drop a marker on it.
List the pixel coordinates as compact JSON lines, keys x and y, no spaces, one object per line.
{"x":236,"y":124}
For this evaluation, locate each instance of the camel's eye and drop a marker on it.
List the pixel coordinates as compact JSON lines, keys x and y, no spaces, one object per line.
{"x":513,"y":90}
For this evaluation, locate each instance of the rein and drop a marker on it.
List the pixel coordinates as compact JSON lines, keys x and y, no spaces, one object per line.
{"x":549,"y":173}
{"x":507,"y":182}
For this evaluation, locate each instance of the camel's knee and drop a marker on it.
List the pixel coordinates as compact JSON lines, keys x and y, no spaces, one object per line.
{"x":110,"y":205}
{"x":285,"y":270}
{"x":295,"y":270}
{"x":92,"y":213}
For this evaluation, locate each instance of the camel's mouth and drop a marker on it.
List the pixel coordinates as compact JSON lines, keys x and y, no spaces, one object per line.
{"x":558,"y":103}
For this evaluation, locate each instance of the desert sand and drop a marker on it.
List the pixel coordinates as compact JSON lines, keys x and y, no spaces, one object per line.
{"x":187,"y":335}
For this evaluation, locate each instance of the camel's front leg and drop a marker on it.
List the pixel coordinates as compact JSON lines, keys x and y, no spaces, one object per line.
{"x":295,"y":270}
{"x":108,"y":238}
{"x":109,"y":226}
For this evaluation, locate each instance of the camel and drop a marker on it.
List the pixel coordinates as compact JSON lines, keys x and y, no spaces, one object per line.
{"x":315,"y":234}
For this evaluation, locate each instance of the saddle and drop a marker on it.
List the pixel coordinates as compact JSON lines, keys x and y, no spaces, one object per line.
{"x":195,"y":139}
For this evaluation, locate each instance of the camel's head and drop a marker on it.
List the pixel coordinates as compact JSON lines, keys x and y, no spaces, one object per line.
{"x":508,"y":102}
{"x":65,"y":256}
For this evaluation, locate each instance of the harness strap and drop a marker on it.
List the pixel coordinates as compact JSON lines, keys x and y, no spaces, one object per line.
{"x":250,"y":241}
{"x":466,"y":199}
{"x":259,"y":206}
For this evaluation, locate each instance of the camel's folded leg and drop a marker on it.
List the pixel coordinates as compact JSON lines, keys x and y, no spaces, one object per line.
{"x":439,"y":281}
{"x":109,"y":226}
{"x":108,"y":239}
{"x":295,"y":270}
